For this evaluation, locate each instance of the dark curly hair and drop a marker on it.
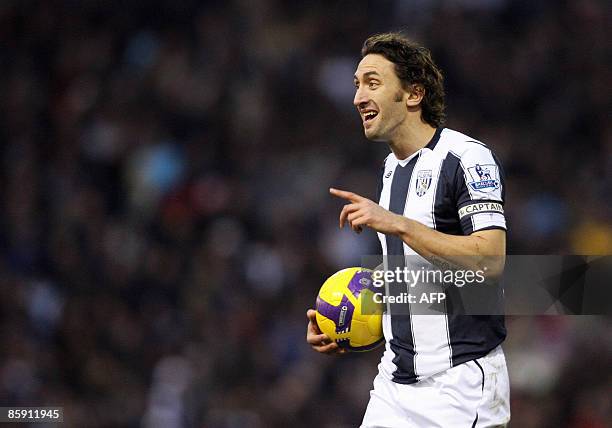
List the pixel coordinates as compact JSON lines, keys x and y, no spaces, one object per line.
{"x":413,"y":65}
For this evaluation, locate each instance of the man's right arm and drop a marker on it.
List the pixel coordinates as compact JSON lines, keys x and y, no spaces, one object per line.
{"x":319,"y":341}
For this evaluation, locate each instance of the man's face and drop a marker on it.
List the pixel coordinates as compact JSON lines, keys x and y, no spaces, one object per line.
{"x":379,"y":97}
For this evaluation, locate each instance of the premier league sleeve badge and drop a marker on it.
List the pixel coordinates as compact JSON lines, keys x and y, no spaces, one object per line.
{"x":485,"y":177}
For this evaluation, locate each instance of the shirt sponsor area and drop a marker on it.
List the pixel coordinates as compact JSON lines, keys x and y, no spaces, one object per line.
{"x":481,"y":207}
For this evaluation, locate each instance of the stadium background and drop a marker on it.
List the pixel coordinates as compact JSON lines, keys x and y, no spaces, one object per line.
{"x":166,"y":221}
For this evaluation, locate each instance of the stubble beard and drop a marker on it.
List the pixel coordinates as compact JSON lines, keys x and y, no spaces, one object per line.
{"x":397,"y":98}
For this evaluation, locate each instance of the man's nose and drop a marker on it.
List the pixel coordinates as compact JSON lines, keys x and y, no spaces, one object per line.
{"x":361,"y":97}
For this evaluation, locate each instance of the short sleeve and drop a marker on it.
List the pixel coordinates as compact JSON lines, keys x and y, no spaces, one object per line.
{"x":480,"y":191}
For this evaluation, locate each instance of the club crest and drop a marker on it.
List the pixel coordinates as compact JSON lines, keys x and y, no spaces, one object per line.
{"x":484,"y":177}
{"x":423,"y":181}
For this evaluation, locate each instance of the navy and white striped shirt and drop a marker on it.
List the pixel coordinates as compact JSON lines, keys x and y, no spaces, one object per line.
{"x":454,"y":185}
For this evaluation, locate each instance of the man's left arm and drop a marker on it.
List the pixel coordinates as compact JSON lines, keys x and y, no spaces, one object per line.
{"x":476,"y":189}
{"x":484,"y":247}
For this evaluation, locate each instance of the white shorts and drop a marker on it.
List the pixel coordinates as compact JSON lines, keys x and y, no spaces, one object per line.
{"x":472,"y":394}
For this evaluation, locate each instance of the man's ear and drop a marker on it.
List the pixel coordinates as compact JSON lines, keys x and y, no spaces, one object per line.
{"x":416,"y":93}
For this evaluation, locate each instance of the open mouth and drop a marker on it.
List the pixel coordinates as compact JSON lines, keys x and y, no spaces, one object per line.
{"x":369,"y":115}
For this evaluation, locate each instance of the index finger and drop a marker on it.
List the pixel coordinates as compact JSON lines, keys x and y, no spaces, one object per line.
{"x":318,"y":339}
{"x":353,"y":197}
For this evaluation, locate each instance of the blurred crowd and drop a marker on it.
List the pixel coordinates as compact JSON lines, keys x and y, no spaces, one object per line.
{"x":166,"y":221}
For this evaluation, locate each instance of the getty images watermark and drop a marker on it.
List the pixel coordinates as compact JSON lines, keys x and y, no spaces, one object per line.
{"x":497,"y":285}
{"x":413,"y":277}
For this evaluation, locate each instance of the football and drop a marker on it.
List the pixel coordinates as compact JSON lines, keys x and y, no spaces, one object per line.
{"x":347,"y":311}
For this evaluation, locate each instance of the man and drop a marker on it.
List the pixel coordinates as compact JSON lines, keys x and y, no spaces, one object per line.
{"x":440,"y":200}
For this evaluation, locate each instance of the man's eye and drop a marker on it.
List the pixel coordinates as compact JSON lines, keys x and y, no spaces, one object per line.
{"x":373,"y":84}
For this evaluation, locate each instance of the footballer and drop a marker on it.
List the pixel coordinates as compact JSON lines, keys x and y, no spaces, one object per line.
{"x":440,"y":198}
